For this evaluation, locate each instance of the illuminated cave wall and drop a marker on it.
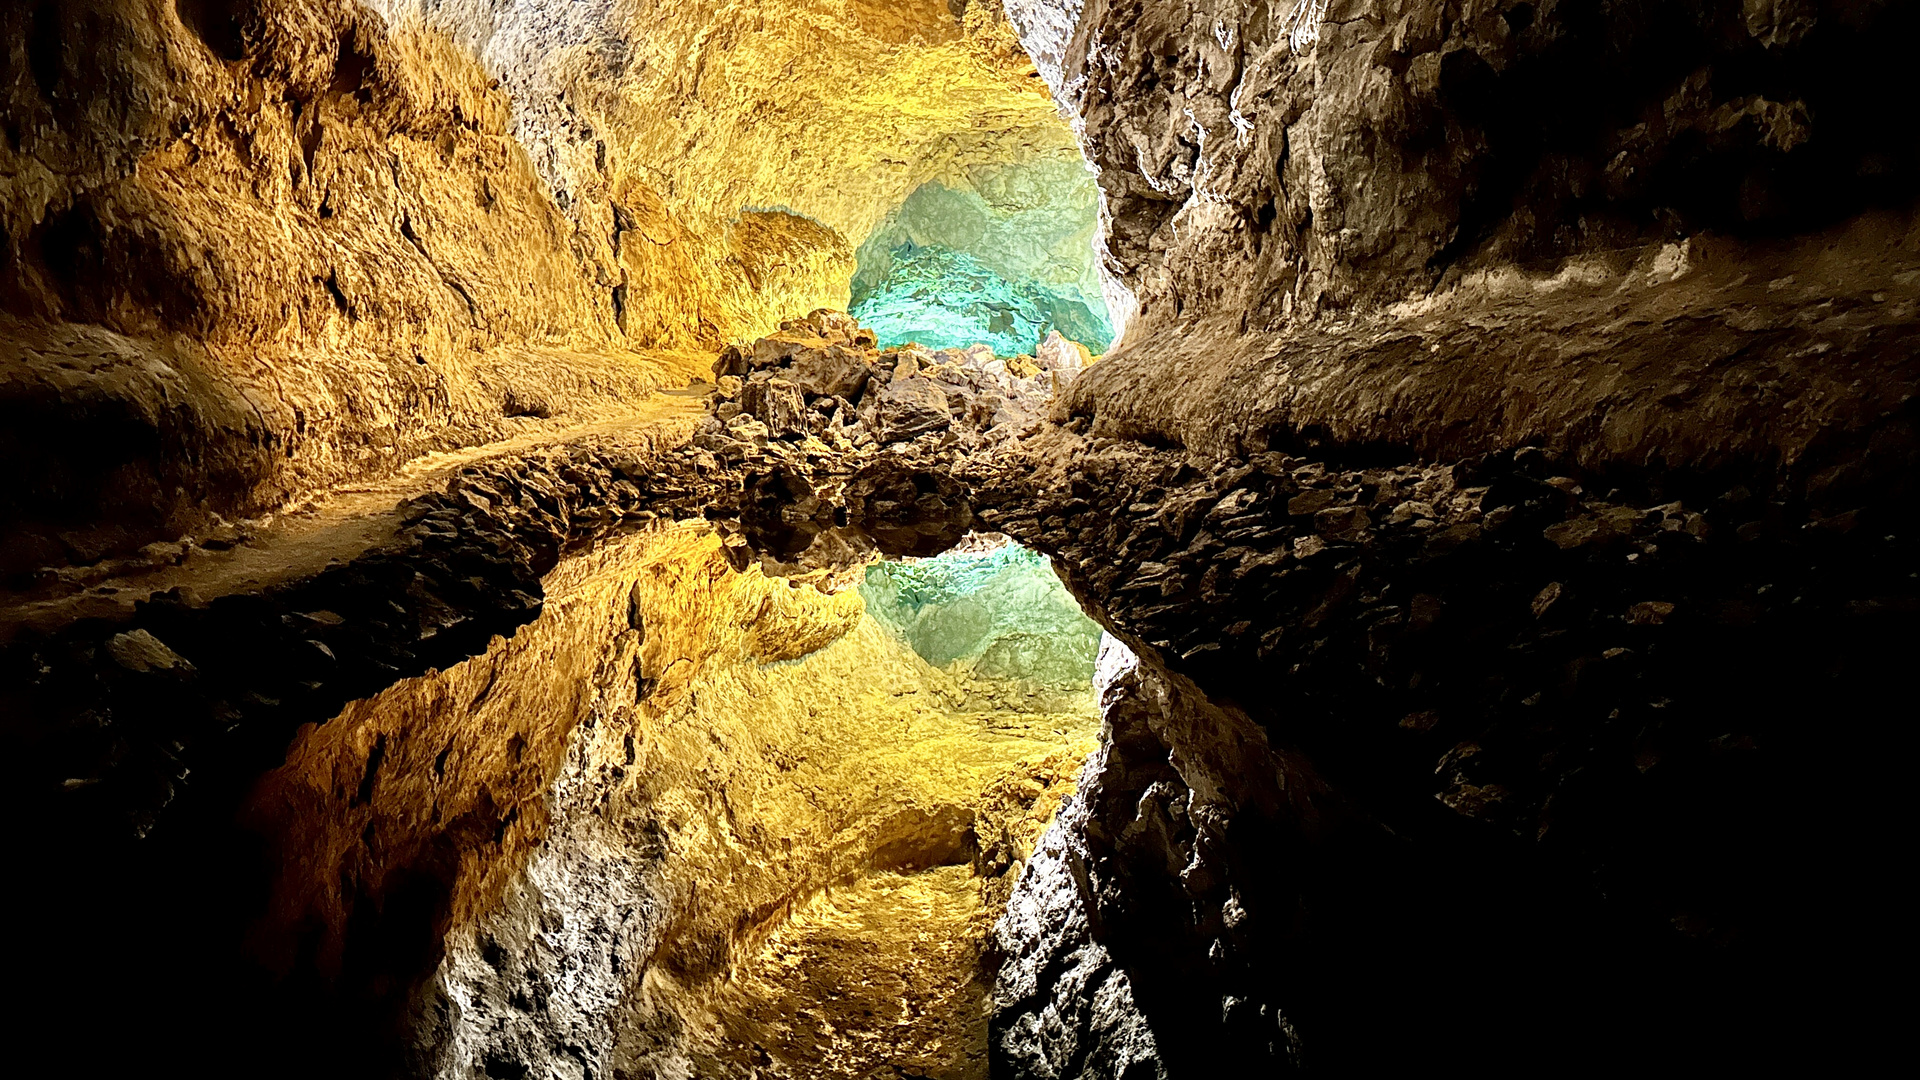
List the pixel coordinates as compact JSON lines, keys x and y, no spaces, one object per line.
{"x":251,"y":251}
{"x":750,"y":148}
{"x":999,"y":254}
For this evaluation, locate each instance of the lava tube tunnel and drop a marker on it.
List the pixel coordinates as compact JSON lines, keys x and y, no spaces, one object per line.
{"x":956,"y":539}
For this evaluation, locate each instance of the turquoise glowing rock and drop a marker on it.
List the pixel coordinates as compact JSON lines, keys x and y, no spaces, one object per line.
{"x":1002,"y":614}
{"x":946,"y":299}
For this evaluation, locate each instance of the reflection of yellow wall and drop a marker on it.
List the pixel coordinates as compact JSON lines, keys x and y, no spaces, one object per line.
{"x":787,"y":743}
{"x":780,"y":774}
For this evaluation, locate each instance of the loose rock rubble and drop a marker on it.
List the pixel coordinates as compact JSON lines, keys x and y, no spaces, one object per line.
{"x":826,"y":451}
{"x":824,"y":376}
{"x":846,"y":449}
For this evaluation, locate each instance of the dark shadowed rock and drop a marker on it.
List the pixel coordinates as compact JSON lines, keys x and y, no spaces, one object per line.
{"x":908,"y":510}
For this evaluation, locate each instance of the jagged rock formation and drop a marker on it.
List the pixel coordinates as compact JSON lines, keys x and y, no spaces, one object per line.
{"x":1531,"y":707}
{"x":999,"y":255}
{"x":1345,"y":155}
{"x":901,"y":427}
{"x":1046,"y":944}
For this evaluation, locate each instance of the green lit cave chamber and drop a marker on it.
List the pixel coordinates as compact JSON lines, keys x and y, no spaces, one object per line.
{"x":999,"y":614}
{"x":1000,"y":255}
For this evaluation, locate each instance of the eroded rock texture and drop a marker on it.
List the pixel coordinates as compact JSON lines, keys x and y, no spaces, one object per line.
{"x":256,"y":250}
{"x":1345,"y":154}
{"x":1517,"y":430}
{"x":744,"y":753}
{"x":250,"y":252}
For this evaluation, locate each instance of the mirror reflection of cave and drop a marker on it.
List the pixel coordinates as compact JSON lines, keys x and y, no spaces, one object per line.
{"x":972,"y":705}
{"x":955,"y":539}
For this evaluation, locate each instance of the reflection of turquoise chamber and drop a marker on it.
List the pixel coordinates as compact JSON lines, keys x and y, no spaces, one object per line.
{"x":1000,"y":262}
{"x":1002,"y":615}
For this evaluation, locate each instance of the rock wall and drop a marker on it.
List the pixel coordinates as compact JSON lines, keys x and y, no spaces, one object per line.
{"x":703,"y":127}
{"x":251,"y":252}
{"x":1347,"y":154}
{"x":1516,"y":434}
{"x":1555,"y":724}
{"x":141,"y":733}
{"x":1543,"y":705}
{"x":998,"y":254}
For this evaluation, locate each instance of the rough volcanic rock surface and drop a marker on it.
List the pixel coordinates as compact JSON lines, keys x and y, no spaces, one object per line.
{"x":1517,"y":431}
{"x":1063,"y":1006}
{"x":1506,"y":485}
{"x":1513,"y":687}
{"x":1348,"y":153}
{"x":827,"y":477}
{"x":148,"y":729}
{"x":742,"y":759}
{"x":254,"y":251}
{"x":1550,"y":695}
{"x":251,"y":252}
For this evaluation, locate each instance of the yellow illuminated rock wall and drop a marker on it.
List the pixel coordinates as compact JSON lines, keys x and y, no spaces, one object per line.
{"x":250,"y":255}
{"x":750,"y":148}
{"x":251,"y":251}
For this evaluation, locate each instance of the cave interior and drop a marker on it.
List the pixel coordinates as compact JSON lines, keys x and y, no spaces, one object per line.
{"x":957,"y":539}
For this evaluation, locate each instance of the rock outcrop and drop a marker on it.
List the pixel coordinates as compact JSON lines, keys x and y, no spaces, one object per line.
{"x":829,"y":476}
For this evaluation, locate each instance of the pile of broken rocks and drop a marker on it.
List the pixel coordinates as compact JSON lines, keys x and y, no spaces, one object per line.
{"x":846,"y":447}
{"x":824,"y":376}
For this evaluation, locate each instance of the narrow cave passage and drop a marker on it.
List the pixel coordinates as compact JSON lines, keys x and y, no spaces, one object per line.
{"x":1001,"y":255}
